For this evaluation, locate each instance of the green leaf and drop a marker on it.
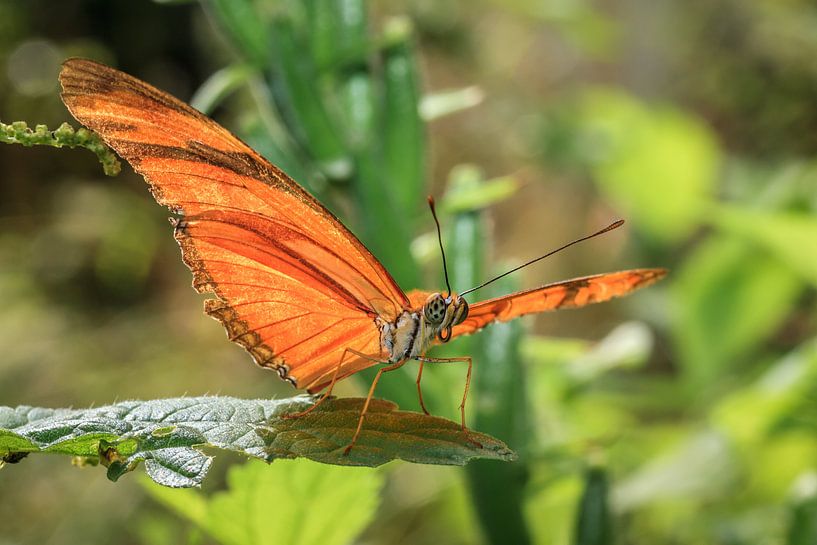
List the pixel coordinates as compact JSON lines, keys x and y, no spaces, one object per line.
{"x":627,"y":346}
{"x":803,"y":511}
{"x":168,"y":434}
{"x":716,"y":298}
{"x":593,"y":523}
{"x":246,"y":27}
{"x":790,"y":236}
{"x":289,"y":502}
{"x":468,"y":192}
{"x":701,"y":465}
{"x":380,"y":213}
{"x":298,"y":95}
{"x":338,"y":32}
{"x":442,"y":103}
{"x":219,"y":86}
{"x":658,"y":163}
{"x":780,"y":397}
{"x":467,"y":240}
{"x":403,"y":130}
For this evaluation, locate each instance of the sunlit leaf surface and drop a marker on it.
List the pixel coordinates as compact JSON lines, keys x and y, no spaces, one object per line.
{"x":168,"y":435}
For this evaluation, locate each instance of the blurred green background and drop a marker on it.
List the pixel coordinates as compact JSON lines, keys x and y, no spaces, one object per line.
{"x":684,"y":414}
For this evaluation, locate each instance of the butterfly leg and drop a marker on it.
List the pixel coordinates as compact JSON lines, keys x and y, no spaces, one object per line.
{"x":328,"y":391}
{"x":380,"y":371}
{"x":419,"y":390}
{"x":469,"y":361}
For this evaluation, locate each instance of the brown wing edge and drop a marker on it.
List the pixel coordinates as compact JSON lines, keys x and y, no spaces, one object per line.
{"x":238,"y":331}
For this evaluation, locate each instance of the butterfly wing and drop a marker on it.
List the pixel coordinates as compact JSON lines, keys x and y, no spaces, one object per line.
{"x":293,"y":285}
{"x":576,"y":292}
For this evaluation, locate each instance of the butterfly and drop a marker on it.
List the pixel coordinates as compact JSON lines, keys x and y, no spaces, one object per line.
{"x":293,"y":286}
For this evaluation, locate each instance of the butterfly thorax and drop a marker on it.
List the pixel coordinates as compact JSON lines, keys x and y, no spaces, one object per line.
{"x":414,"y":331}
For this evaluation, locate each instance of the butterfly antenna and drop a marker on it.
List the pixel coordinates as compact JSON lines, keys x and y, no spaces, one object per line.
{"x":614,"y":225}
{"x":440,"y":239}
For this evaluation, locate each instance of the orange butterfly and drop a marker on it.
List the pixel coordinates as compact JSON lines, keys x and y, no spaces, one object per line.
{"x":293,"y":285}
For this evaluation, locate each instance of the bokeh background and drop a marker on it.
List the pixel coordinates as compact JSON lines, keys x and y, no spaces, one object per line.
{"x":684,"y":414}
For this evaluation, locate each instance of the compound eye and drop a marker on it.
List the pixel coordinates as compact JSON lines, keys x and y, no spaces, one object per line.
{"x":434,"y":309}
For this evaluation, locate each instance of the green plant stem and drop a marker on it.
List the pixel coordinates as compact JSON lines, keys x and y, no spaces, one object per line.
{"x":19,"y":132}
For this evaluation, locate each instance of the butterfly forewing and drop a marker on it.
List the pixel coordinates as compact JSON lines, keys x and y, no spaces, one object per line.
{"x":572,"y":293}
{"x":294,"y":286}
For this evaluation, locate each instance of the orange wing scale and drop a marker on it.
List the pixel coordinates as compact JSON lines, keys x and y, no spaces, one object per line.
{"x":285,"y":270}
{"x":565,"y":294}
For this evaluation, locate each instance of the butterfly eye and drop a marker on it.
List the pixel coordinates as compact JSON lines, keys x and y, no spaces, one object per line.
{"x":434,"y":309}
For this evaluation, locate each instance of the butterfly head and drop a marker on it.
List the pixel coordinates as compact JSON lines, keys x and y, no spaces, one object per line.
{"x":443,"y":313}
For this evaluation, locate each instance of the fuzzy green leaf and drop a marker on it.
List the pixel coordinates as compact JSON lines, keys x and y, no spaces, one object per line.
{"x":168,"y":435}
{"x":276,"y":504}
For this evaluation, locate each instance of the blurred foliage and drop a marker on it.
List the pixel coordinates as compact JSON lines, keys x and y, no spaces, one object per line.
{"x":261,"y":502}
{"x":684,"y":414}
